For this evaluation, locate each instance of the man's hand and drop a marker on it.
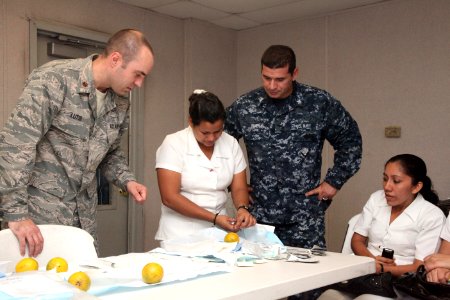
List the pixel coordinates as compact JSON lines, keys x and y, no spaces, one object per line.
{"x":27,"y":233}
{"x":324,"y":191}
{"x":137,"y":191}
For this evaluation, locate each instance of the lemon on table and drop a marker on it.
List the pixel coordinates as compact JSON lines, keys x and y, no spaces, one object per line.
{"x":81,"y":280}
{"x":231,"y":237}
{"x":152,"y":273}
{"x":27,"y":264}
{"x":59,"y":263}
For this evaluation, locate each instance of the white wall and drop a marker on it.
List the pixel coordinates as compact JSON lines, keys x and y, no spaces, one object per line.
{"x":389,"y":64}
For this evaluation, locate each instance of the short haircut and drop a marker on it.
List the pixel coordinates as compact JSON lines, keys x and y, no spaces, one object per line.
{"x":128,"y":43}
{"x":279,"y":56}
{"x":205,"y":106}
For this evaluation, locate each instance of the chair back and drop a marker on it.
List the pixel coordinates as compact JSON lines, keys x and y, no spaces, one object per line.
{"x":71,"y":243}
{"x":347,"y":246}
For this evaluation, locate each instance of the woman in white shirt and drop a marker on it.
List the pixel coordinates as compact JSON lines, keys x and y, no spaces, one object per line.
{"x":403,"y":217}
{"x":195,"y":167}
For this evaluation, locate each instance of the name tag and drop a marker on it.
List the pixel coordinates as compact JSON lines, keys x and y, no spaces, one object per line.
{"x":75,"y":116}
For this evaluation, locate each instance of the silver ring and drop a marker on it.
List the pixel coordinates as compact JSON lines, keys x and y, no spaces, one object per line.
{"x":325,"y":198}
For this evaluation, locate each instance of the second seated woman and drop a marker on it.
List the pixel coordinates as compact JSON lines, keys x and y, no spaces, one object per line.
{"x":403,"y":217}
{"x":195,"y":168}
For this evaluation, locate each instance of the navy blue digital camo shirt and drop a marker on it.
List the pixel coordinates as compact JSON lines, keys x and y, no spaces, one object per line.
{"x":284,"y":146}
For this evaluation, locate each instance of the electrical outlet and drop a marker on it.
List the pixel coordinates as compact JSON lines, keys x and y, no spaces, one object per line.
{"x":392,"y":131}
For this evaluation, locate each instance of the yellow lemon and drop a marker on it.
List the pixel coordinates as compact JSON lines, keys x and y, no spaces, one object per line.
{"x":152,"y":273}
{"x":27,"y":264}
{"x":231,"y":237}
{"x":81,"y":280}
{"x":59,"y":263}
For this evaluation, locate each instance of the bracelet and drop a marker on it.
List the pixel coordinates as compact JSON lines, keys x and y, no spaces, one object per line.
{"x":215,"y":217}
{"x":382,"y":268}
{"x":242,"y":206}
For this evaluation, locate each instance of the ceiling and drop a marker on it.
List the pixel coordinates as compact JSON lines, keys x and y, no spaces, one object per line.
{"x":244,"y":14}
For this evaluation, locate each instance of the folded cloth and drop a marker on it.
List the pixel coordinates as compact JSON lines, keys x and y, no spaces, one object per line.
{"x":210,"y":241}
{"x":261,"y":234}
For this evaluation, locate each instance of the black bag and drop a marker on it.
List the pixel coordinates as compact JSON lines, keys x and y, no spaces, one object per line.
{"x":416,"y":285}
{"x":376,"y":284}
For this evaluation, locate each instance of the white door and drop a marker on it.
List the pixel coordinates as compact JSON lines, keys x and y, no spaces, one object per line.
{"x":112,"y":214}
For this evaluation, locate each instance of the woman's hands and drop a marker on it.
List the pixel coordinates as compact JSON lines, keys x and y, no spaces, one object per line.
{"x":243,"y":220}
{"x":440,"y":275}
{"x":438,"y":267}
{"x":382,"y":262}
{"x":437,"y":260}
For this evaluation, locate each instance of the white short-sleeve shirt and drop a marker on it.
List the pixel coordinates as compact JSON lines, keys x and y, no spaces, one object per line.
{"x":445,"y":234}
{"x":414,"y":234}
{"x":203,"y":181}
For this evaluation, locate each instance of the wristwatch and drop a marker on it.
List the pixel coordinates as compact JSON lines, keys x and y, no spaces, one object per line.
{"x":242,"y":206}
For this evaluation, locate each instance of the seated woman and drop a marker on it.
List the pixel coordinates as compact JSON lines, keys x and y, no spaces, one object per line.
{"x":403,"y":217}
{"x":438,"y":265}
{"x":195,"y":168}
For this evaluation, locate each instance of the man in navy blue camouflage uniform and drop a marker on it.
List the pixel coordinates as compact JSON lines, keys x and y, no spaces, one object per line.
{"x":284,"y":125}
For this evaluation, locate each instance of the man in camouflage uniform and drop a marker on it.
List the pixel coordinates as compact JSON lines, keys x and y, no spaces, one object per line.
{"x":68,"y":122}
{"x":284,"y":125}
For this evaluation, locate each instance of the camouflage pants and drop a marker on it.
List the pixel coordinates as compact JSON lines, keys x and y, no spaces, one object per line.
{"x":294,"y":236}
{"x":291,"y":235}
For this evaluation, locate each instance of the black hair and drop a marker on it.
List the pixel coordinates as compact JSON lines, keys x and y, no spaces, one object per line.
{"x":205,"y":106}
{"x":415,"y":167}
{"x":279,"y":56}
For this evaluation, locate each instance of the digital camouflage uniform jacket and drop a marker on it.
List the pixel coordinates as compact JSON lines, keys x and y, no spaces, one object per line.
{"x":284,"y":146}
{"x":53,"y":143}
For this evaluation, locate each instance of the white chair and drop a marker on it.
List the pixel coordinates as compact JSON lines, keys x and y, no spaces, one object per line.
{"x":347,"y":246}
{"x":332,"y":294}
{"x":71,"y":243}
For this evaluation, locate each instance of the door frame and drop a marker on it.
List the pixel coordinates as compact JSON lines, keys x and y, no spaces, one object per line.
{"x":135,"y":228}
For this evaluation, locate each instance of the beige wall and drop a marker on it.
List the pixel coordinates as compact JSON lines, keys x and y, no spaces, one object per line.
{"x":389,"y":64}
{"x":213,"y":48}
{"x":207,"y":53}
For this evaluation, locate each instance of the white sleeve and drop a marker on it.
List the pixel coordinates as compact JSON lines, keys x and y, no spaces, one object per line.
{"x":169,"y":155}
{"x":445,"y":234}
{"x":365,"y":220}
{"x":427,"y":241}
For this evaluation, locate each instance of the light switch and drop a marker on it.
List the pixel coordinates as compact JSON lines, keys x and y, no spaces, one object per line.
{"x":392,"y":131}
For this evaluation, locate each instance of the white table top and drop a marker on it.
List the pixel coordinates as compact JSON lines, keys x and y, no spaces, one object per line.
{"x":272,"y":280}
